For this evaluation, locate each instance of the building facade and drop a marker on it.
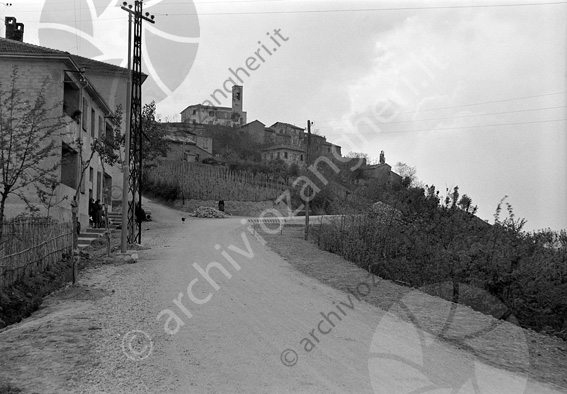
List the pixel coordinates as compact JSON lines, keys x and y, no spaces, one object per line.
{"x":288,"y":153}
{"x":207,"y":113}
{"x":196,"y":134}
{"x":183,"y":147}
{"x":381,"y":173}
{"x":70,"y":92}
{"x":320,"y":147}
{"x":295,"y":134}
{"x":256,"y":130}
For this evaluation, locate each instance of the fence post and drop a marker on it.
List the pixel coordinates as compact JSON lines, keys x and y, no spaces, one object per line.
{"x":74,"y":211}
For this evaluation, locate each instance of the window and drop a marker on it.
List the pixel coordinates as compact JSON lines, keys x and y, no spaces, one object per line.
{"x":285,"y":155}
{"x":108,"y":138}
{"x":91,"y":174}
{"x":71,"y":97}
{"x":85,"y":113}
{"x":194,"y":112}
{"x":107,"y":185}
{"x":93,"y":122}
{"x":98,"y":184}
{"x":301,"y":157}
{"x":101,"y":127}
{"x":69,"y":166}
{"x":211,"y":113}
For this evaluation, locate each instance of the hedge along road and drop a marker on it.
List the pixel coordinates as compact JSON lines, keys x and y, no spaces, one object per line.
{"x":210,"y":309}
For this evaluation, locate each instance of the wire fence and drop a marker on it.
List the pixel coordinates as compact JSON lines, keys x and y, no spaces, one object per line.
{"x":29,"y":246}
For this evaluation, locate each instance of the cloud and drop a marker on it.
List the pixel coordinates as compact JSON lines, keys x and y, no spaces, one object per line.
{"x":452,"y":58}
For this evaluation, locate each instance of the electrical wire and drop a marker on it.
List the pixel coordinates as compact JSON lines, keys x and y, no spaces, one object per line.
{"x":469,"y":105}
{"x":330,"y":11}
{"x":372,"y":9}
{"x":457,"y":128}
{"x":467,"y":115}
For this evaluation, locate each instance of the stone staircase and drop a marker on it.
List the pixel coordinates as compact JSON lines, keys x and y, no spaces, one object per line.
{"x":90,"y":234}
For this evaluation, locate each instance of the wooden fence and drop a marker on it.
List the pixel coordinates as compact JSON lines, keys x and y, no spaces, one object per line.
{"x":205,"y":182}
{"x":30,"y":246}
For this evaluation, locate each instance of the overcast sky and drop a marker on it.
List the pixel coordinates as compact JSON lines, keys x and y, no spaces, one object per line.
{"x":470,"y":93}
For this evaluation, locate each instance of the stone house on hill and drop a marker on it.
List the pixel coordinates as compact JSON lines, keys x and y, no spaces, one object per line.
{"x":381,"y":173}
{"x":256,"y":130}
{"x":196,"y":134}
{"x":207,"y":113}
{"x":183,"y":147}
{"x":288,"y":153}
{"x":295,"y":133}
{"x":320,"y":147}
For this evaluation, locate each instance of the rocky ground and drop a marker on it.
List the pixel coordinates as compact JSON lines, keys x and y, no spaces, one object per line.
{"x":234,"y":208}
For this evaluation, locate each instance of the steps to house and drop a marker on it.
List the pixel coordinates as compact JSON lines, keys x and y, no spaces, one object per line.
{"x":90,"y":234}
{"x":115,"y":219}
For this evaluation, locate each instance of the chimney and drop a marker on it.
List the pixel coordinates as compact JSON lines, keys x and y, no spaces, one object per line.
{"x":14,"y":31}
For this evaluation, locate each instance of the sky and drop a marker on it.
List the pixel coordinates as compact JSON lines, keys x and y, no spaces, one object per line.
{"x":470,"y":93}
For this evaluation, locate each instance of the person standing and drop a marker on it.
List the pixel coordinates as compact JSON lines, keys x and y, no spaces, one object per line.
{"x":97,"y":214}
{"x":140,"y":213}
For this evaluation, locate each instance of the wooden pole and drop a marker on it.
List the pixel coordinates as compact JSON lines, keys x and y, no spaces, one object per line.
{"x":307,"y":162}
{"x":75,"y":254}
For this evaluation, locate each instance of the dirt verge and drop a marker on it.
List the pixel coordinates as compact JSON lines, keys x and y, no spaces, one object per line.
{"x":63,"y":327}
{"x":25,"y":297}
{"x":547,"y":354}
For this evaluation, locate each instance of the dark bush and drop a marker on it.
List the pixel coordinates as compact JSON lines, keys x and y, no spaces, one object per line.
{"x":435,"y":243}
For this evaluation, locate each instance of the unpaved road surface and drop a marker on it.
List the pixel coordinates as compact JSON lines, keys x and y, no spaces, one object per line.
{"x":210,"y":309}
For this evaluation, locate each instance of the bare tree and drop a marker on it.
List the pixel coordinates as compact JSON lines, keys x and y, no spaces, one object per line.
{"x":358,"y":155}
{"x":109,"y":153}
{"x":408,"y":174}
{"x":48,"y":197}
{"x":28,"y":135}
{"x":107,"y":147}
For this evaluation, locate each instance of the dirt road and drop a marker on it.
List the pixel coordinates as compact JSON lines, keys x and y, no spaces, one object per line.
{"x":210,"y":309}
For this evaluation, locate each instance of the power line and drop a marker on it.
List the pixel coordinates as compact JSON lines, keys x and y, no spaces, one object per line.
{"x":466,"y":105}
{"x":373,"y":9}
{"x":169,"y":2}
{"x":492,"y":102}
{"x":333,"y":10}
{"x":468,"y":115}
{"x":458,"y":128}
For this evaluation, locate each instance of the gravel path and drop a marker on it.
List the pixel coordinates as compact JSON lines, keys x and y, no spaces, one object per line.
{"x":257,"y":325}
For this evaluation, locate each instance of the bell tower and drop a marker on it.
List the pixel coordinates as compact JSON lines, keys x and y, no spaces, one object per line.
{"x":237,"y":101}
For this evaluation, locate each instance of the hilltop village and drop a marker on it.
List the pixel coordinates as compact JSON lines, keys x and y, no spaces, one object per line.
{"x":214,"y":134}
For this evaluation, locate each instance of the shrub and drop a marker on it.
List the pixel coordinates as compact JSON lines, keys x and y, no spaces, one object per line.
{"x":7,"y":388}
{"x":434,"y":243}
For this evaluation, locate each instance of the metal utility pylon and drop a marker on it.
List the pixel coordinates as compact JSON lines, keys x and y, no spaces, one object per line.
{"x":134,"y":230}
